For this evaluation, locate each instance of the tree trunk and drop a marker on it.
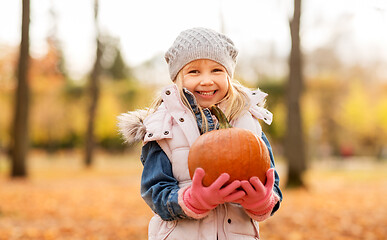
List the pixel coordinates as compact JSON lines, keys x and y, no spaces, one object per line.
{"x":19,"y":139}
{"x":93,"y":95}
{"x":294,"y":145}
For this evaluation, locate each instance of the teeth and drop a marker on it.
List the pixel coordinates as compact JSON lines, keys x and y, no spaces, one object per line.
{"x":207,"y":93}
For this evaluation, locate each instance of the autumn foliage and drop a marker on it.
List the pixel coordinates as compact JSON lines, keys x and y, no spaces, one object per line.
{"x":344,"y":112}
{"x":58,"y":106}
{"x":61,"y":200}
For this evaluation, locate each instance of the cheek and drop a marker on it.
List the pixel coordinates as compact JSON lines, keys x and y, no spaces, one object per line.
{"x":186,"y":83}
{"x":188,"y":86}
{"x":224,"y":85}
{"x":224,"y":90}
{"x":223,"y":93}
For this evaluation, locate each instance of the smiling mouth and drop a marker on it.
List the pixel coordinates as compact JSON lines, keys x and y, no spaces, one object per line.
{"x":207,"y":93}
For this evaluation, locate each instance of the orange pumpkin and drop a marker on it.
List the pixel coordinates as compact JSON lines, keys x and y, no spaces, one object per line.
{"x":235,"y":151}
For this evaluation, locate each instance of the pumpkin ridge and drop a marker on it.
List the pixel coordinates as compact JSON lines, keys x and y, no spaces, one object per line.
{"x":207,"y":155}
{"x":215,"y":152}
{"x":251,"y":155}
{"x":234,"y":142}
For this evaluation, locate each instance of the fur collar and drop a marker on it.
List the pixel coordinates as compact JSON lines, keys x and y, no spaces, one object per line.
{"x":131,"y":125}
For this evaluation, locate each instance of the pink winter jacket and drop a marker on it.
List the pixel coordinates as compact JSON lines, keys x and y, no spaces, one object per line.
{"x":174,"y":128}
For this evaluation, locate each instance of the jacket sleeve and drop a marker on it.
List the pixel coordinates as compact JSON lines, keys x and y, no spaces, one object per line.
{"x":159,"y":188}
{"x":276,"y":188}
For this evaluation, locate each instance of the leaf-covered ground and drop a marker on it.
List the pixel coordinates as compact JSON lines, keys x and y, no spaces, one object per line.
{"x":61,"y":200}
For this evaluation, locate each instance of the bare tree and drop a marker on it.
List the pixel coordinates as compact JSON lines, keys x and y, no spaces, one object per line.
{"x":19,"y":139}
{"x":93,"y":92}
{"x":294,"y":145}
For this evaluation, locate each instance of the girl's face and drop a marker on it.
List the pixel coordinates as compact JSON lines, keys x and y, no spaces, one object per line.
{"x":207,"y":80}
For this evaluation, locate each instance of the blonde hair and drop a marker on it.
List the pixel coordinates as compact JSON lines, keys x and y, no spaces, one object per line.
{"x":236,"y":101}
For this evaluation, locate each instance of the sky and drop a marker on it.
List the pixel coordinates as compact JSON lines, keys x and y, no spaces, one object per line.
{"x":148,"y":27}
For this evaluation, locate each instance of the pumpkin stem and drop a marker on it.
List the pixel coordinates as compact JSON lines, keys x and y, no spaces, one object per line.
{"x":223,"y":122}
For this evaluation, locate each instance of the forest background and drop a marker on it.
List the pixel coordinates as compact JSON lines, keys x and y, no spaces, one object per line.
{"x":343,"y":104}
{"x":343,"y":108}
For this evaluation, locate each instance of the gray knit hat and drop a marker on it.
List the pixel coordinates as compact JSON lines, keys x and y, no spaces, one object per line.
{"x":201,"y":43}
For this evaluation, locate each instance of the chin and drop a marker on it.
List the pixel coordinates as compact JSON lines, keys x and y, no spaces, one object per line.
{"x":207,"y":105}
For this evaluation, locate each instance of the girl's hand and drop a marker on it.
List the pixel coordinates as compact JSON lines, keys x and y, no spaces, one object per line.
{"x":202,"y":199}
{"x":259,"y":198}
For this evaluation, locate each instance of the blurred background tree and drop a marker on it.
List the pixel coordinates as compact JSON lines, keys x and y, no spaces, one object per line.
{"x":20,"y":131}
{"x":93,"y":91}
{"x":294,"y":138}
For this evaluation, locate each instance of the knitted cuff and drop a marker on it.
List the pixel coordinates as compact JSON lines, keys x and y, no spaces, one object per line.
{"x":188,"y":209}
{"x":265,"y":210}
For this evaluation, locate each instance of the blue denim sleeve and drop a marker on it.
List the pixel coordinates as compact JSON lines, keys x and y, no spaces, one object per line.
{"x":276,"y":188}
{"x":159,"y":188}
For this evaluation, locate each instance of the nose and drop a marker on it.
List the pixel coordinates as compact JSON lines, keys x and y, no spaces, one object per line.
{"x":206,"y":80}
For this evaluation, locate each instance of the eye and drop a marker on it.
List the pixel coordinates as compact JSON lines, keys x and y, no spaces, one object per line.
{"x":193,"y":72}
{"x":217,"y":70}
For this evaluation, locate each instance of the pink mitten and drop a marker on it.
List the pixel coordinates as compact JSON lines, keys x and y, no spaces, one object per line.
{"x":259,"y":199}
{"x":201,"y":199}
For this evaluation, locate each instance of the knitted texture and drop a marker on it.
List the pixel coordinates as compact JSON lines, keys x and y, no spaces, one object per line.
{"x":201,"y":43}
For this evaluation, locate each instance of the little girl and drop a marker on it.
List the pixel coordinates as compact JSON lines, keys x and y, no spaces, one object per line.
{"x":201,"y":66}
